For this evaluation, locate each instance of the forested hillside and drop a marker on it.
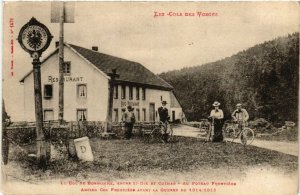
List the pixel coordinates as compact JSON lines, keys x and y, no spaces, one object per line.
{"x":264,"y":78}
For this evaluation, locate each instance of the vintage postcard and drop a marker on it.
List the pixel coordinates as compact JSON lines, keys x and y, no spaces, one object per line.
{"x":150,"y":98}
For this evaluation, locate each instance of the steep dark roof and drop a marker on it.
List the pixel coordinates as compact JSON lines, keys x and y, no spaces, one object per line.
{"x":129,"y":71}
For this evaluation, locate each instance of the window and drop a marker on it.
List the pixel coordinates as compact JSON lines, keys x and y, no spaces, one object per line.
{"x":138,"y":114}
{"x":130,"y":92}
{"x":81,"y":91}
{"x":116,"y":115}
{"x":137,"y":93}
{"x":67,"y":68}
{"x":81,"y":115}
{"x":144,"y":114}
{"x":48,"y":91}
{"x":161,"y":99}
{"x":116,"y":93}
{"x":123,"y":92}
{"x":143,"y":93}
{"x":48,"y":115}
{"x":123,"y":110}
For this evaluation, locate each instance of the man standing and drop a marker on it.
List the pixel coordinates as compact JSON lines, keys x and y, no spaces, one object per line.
{"x":240,"y":114}
{"x":129,"y":119}
{"x":164,"y":117}
{"x":163,"y":112}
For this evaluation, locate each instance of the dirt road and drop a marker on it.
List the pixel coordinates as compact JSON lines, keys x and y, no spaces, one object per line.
{"x":280,"y":146}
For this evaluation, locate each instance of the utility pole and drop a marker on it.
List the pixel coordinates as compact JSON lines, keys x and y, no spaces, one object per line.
{"x":113,"y":75}
{"x":61,"y":12}
{"x":61,"y":63}
{"x":40,"y":137}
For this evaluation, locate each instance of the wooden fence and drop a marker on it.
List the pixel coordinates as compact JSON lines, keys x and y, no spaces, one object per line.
{"x":24,"y":132}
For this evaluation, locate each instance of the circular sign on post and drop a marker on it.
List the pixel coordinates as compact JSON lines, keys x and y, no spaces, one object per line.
{"x":34,"y":38}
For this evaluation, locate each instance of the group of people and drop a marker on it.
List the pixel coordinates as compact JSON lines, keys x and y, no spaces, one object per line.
{"x":128,"y":118}
{"x":216,"y":115}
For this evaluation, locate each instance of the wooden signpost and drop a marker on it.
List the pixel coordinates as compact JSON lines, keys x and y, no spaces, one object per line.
{"x":113,"y":75}
{"x":61,"y":63}
{"x":61,"y":12}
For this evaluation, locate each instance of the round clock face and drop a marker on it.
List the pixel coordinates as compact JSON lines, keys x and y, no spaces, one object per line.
{"x":34,"y":38}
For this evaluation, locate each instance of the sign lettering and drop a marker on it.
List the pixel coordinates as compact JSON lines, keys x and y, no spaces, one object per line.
{"x":66,"y":79}
{"x":83,"y":149}
{"x":129,"y":103}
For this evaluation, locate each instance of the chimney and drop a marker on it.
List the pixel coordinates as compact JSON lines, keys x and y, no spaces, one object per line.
{"x":95,"y":48}
{"x":56,"y":44}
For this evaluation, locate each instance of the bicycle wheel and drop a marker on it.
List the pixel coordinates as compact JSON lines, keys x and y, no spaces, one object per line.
{"x":247,"y":136}
{"x":203,"y":129}
{"x":155,"y":136}
{"x":229,"y":132}
{"x":171,"y":137}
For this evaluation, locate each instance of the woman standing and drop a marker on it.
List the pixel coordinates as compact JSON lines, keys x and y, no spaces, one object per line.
{"x":217,"y":119}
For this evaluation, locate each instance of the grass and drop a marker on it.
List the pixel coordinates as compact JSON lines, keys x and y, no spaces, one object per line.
{"x":117,"y":159}
{"x":286,"y":135}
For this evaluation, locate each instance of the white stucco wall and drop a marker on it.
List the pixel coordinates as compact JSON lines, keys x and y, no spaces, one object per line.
{"x":178,"y":114}
{"x":153,"y":96}
{"x":97,"y":89}
{"x":175,"y":107}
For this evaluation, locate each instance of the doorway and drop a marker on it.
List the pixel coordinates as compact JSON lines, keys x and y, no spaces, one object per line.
{"x":152,"y":112}
{"x":173,"y":115}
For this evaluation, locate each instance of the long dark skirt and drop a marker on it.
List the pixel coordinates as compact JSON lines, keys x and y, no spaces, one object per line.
{"x":218,"y":135}
{"x":128,"y":130}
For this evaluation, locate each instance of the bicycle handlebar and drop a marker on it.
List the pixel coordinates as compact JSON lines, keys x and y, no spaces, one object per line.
{"x":163,"y":123}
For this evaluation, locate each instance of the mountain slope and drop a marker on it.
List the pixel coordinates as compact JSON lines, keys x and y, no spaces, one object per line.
{"x":264,"y":78}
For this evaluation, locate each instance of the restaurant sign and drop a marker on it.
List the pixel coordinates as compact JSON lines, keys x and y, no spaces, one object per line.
{"x":129,"y":103}
{"x":66,"y":79}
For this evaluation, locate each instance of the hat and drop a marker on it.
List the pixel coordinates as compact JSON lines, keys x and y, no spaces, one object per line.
{"x":216,"y":103}
{"x":164,"y":102}
{"x":239,"y":104}
{"x":130,"y":108}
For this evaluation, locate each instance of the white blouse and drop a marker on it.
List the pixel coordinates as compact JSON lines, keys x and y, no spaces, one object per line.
{"x":218,"y":114}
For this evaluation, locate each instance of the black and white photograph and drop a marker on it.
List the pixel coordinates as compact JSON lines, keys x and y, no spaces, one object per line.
{"x":150,"y":97}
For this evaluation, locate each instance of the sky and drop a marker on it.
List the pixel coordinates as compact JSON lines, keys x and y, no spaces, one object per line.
{"x":129,"y":30}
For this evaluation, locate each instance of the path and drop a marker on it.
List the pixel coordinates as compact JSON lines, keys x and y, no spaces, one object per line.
{"x":280,"y":146}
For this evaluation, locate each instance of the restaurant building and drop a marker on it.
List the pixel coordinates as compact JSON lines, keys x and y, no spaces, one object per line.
{"x":86,"y":88}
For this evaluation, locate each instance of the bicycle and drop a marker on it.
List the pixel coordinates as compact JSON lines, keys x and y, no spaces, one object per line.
{"x":158,"y":133}
{"x":206,"y":129}
{"x":239,"y":130}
